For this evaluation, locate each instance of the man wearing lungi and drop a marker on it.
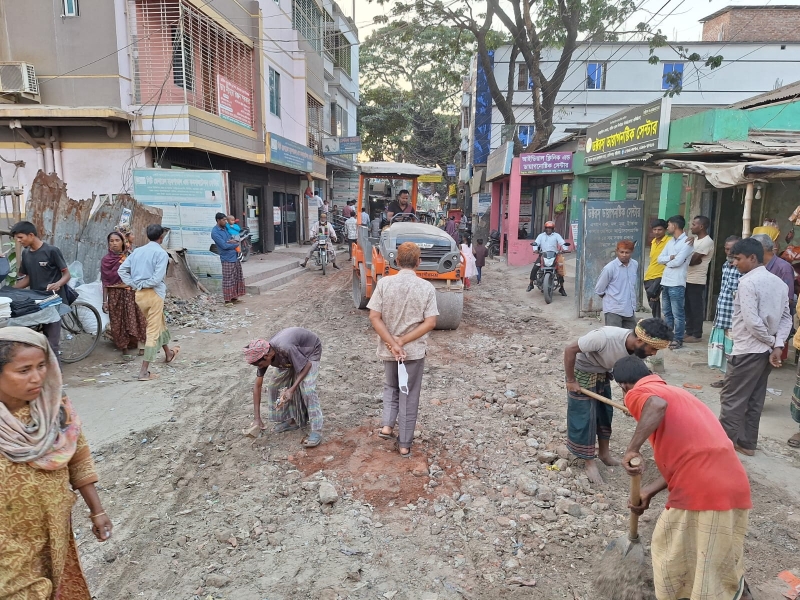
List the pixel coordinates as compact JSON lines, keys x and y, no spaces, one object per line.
{"x":232,"y":277}
{"x":294,"y":355}
{"x":144,"y":271}
{"x":698,"y":542}
{"x":587,"y":364}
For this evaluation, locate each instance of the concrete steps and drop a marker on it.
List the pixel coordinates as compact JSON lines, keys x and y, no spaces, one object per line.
{"x":270,"y":281}
{"x":266,"y":272}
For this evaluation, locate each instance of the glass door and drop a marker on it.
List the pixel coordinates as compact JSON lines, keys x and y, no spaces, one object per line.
{"x":278,"y":220}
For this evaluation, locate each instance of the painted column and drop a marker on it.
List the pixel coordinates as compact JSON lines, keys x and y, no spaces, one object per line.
{"x":619,"y":184}
{"x":670,"y":200}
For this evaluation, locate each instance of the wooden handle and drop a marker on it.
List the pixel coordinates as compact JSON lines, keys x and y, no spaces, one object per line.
{"x":605,"y":400}
{"x":636,"y":500}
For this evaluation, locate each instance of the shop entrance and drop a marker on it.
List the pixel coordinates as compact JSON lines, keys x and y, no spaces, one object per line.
{"x":284,"y":218}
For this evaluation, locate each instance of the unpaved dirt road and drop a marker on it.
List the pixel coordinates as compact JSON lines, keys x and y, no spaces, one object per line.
{"x":489,"y":500}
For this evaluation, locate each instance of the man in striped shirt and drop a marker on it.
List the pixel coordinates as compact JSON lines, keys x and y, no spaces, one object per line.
{"x":720,"y":342}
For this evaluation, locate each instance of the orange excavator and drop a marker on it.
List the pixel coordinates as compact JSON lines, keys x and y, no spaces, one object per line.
{"x":374,"y":257}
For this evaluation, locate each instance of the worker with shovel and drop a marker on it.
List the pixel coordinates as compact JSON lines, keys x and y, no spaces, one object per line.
{"x":587,"y":367}
{"x":698,"y":542}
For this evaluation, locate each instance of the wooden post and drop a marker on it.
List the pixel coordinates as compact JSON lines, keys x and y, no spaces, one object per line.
{"x":16,"y":213}
{"x":748,"y":207}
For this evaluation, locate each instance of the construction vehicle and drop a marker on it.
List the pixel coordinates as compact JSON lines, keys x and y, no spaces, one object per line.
{"x":441,"y":261}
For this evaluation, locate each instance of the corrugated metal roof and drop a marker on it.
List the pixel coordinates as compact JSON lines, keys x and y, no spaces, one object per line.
{"x":761,"y":144}
{"x":785,"y":93}
{"x":679,"y":111}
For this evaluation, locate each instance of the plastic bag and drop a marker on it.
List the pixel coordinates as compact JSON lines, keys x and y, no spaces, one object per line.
{"x":92,"y":293}
{"x":76,"y":273}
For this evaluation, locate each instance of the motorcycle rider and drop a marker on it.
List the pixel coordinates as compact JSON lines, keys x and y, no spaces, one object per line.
{"x":549,"y":241}
{"x":322,"y":226}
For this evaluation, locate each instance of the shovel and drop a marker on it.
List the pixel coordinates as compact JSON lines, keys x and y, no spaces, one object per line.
{"x":623,"y":564}
{"x":605,"y":400}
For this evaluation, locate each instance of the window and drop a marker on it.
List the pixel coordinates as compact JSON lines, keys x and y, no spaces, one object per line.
{"x":308,"y":20}
{"x":182,"y":59}
{"x":70,"y":8}
{"x":669,"y":81}
{"x":525,"y":133}
{"x":596,"y":76}
{"x":274,"y":92}
{"x":314,"y":124}
{"x":338,"y":120}
{"x":524,"y":81}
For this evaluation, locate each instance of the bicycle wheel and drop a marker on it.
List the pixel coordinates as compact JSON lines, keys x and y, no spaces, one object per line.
{"x":81,"y":328}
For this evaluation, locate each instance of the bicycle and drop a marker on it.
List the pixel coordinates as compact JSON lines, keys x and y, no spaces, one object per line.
{"x":81,"y":329}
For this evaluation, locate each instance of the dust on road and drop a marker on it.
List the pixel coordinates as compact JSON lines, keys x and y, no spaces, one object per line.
{"x":490,"y":499}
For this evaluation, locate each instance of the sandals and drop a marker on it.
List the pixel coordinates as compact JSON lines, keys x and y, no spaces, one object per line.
{"x":675,"y":345}
{"x":313,"y":440}
{"x":385,"y":436}
{"x":398,"y":448}
{"x":794,"y":441}
{"x":175,"y":351}
{"x":286,"y":426}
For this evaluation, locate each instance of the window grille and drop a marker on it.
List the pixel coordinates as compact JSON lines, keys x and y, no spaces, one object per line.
{"x":181,"y":55}
{"x":307,"y":19}
{"x":314,"y":124}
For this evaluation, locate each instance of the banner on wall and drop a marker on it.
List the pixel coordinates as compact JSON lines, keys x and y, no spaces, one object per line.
{"x":234,"y":103}
{"x":189,"y":200}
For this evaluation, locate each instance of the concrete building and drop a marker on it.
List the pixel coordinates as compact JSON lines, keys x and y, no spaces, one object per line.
{"x":236,"y":86}
{"x":760,"y":46}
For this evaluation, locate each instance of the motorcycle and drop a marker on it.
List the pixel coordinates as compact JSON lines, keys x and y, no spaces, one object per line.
{"x":321,"y":253}
{"x":547,"y":276}
{"x":493,"y":247}
{"x":245,"y":245}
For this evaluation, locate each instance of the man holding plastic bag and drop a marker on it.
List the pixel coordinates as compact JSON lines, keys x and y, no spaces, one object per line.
{"x":402,"y":312}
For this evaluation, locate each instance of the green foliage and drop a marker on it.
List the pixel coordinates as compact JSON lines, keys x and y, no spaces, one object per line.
{"x":411,"y":77}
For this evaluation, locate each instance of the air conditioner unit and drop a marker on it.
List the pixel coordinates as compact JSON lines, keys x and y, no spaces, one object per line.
{"x":19,"y":78}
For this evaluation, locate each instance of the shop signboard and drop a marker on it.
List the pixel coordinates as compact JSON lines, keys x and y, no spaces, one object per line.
{"x":604,"y":224}
{"x":430,"y":178}
{"x":451,"y":170}
{"x":284,"y":152}
{"x":545,"y":163}
{"x":629,"y":133}
{"x":499,"y":162}
{"x":341,"y":145}
{"x":189,"y":201}
{"x":234,"y":103}
{"x":484,"y":204}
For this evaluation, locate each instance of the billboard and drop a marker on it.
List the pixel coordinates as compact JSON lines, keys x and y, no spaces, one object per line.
{"x":234,"y":103}
{"x":629,"y":133}
{"x":543,"y":163}
{"x":189,"y":201}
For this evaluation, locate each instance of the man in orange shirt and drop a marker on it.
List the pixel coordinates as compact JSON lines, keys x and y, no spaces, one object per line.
{"x":698,"y":542}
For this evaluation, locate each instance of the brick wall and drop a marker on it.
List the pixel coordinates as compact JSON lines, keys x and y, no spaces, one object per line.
{"x":754,"y":25}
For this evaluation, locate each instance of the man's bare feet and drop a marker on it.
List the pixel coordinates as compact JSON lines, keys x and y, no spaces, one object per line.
{"x":592,"y":472}
{"x":609,"y":460}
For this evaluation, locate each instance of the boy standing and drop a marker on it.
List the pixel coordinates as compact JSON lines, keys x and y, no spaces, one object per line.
{"x":480,"y":253}
{"x":43,"y":269}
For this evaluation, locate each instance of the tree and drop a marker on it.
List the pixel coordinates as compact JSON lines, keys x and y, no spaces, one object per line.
{"x":411,"y":74}
{"x":532,"y":26}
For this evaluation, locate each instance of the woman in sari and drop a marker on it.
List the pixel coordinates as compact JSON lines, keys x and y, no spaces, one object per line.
{"x":128,"y":325}
{"x":42,"y":454}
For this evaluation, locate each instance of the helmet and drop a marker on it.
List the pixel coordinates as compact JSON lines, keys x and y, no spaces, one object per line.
{"x":550,"y":224}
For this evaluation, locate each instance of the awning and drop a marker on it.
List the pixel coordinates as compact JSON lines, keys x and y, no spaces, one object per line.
{"x":725,"y":175}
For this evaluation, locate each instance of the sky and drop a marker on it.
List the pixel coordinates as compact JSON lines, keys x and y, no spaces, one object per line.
{"x":682,"y":25}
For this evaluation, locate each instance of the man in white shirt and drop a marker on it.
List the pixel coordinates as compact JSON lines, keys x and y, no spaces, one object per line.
{"x":351,"y":231}
{"x":317,"y":201}
{"x":549,"y":241}
{"x":675,"y":258}
{"x":696,"y":276}
{"x":322,"y":226}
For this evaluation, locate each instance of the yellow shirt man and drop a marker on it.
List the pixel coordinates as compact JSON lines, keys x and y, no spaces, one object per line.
{"x":655,"y":270}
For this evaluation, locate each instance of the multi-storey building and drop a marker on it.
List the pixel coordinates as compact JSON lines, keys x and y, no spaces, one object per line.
{"x":760,"y":48}
{"x":93,"y":89}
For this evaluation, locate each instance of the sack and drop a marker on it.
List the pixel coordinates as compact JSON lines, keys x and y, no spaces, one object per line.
{"x":92,"y":293}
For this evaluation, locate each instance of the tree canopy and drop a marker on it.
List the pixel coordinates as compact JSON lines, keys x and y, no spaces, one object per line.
{"x":531,"y":26}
